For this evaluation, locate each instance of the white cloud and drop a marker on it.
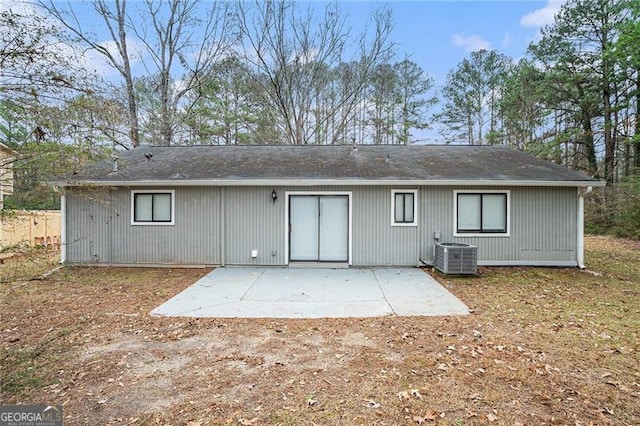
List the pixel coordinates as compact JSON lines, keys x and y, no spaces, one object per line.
{"x":98,"y":63}
{"x":19,"y":7}
{"x":135,"y":49}
{"x":304,"y":57}
{"x":470,"y":43}
{"x":544,"y":16}
{"x":506,"y":40}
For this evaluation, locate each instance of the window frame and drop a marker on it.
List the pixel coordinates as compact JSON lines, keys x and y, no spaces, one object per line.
{"x":171,"y":192}
{"x":414,"y":192}
{"x":475,"y":233}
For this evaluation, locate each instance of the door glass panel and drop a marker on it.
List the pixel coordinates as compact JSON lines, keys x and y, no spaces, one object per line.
{"x":334,"y":228}
{"x":303,"y":218}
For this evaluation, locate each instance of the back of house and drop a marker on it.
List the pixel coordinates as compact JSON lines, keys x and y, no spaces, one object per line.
{"x":349,"y":205}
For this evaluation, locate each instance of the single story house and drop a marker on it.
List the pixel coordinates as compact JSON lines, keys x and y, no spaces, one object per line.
{"x":356,"y":205}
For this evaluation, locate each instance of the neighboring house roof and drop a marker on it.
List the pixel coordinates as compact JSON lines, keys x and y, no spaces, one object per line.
{"x":328,"y":164}
{"x":5,"y":148}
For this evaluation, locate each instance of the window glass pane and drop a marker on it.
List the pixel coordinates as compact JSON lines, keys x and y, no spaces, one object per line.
{"x":468,"y":212}
{"x":142,"y":207}
{"x":162,"y":207}
{"x":494,"y":214}
{"x":408,"y":208}
{"x":399,"y":208}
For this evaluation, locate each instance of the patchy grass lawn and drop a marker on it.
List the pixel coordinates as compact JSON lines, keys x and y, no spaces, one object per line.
{"x":543,"y":346}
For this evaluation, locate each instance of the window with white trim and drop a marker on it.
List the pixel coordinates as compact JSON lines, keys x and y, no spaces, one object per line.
{"x":404,"y":207}
{"x":481,"y":212}
{"x":152,"y":207}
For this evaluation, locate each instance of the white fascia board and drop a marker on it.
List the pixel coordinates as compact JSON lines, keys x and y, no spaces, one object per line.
{"x":333,"y":182}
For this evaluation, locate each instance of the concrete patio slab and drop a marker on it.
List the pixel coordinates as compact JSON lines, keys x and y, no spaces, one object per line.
{"x":254,"y":292}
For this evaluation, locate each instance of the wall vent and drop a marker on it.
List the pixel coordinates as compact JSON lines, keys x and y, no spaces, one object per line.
{"x":456,"y":258}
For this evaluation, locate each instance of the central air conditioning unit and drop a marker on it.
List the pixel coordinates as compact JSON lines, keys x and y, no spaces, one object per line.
{"x":456,"y":258}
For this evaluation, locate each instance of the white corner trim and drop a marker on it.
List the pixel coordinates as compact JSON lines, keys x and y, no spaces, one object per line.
{"x":415,"y":207}
{"x":63,"y":228}
{"x":481,"y":191}
{"x":153,"y":191}
{"x":580,"y":225}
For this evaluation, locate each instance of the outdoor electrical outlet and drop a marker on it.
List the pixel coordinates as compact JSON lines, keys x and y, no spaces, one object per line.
{"x":273,"y":252}
{"x":254,"y":253}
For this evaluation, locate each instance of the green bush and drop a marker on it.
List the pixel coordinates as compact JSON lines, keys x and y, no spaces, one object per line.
{"x":615,"y":210}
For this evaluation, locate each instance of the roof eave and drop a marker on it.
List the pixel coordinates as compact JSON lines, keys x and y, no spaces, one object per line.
{"x":334,"y":182}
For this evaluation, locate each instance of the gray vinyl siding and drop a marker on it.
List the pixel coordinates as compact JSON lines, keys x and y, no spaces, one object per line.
{"x":100,"y":230}
{"x":253,"y":222}
{"x":88,"y":221}
{"x":375,"y":241}
{"x":543,"y":226}
{"x":222,"y":225}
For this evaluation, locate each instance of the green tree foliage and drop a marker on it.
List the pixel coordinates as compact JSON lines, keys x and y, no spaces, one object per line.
{"x":382,"y":93}
{"x":568,"y":91}
{"x":615,"y":210}
{"x":49,"y":113}
{"x":522,"y":105}
{"x":400,"y":98}
{"x":415,"y":99}
{"x":471,"y":112}
{"x":61,"y":143}
{"x":626,"y":52}
{"x":578,"y":53}
{"x":40,"y":162}
{"x":227,"y":109}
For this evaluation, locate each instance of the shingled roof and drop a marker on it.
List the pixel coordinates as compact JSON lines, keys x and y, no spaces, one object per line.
{"x":335,"y":164}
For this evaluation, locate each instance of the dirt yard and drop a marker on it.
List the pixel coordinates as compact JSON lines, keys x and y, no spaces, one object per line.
{"x":542,"y":346}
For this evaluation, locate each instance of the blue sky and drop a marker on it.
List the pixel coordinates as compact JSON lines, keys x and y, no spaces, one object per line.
{"x":439,"y":34}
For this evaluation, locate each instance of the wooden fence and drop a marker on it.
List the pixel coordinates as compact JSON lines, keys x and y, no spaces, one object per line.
{"x":30,"y":228}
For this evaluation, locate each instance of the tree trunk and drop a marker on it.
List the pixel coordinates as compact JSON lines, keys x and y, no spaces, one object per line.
{"x":165,"y":115}
{"x":636,"y":136}
{"x":469,"y":129}
{"x":587,"y":141}
{"x":134,"y":130}
{"x":609,"y":139}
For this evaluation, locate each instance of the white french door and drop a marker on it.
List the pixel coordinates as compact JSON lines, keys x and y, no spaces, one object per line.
{"x":319,"y":228}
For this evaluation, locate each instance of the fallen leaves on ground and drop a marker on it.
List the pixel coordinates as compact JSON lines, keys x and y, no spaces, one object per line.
{"x":543,"y":346}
